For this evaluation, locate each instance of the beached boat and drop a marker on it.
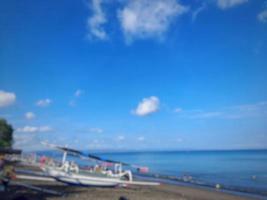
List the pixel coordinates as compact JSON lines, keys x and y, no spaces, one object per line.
{"x":101,"y":176}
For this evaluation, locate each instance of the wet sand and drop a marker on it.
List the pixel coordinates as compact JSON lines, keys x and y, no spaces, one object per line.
{"x":162,"y":192}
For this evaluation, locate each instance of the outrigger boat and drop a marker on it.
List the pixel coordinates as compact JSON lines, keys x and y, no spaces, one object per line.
{"x":98,"y":176}
{"x":8,"y":176}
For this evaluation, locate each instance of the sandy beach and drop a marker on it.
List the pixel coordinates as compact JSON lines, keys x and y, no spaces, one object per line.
{"x":162,"y":192}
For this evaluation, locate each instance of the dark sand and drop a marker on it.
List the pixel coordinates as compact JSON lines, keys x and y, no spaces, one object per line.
{"x":162,"y":192}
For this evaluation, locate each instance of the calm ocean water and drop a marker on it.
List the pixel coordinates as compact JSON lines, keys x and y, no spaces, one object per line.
{"x":241,"y":171}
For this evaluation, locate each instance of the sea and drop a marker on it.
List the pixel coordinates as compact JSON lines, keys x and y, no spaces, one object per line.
{"x":240,"y":171}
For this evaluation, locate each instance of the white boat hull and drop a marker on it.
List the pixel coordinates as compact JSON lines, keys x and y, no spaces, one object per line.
{"x":91,"y":180}
{"x":86,"y":182}
{"x":77,"y":179}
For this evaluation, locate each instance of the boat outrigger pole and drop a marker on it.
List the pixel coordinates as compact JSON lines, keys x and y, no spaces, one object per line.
{"x":64,"y":157}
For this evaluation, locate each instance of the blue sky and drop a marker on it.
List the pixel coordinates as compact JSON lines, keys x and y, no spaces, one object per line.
{"x":127,"y":74}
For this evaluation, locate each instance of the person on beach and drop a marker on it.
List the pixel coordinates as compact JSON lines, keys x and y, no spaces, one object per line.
{"x":6,"y":173}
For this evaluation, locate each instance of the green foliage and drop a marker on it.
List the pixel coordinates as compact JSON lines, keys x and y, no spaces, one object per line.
{"x":6,"y":134}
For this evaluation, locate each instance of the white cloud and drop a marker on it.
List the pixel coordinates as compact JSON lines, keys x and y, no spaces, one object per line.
{"x":262,"y":16}
{"x":28,"y":129}
{"x":28,"y":142}
{"x":208,"y":114}
{"x":34,"y":129}
{"x":25,"y":141}
{"x":44,"y":102}
{"x":22,"y":138}
{"x":29,"y":115}
{"x":96,"y":130}
{"x":6,"y":98}
{"x":97,"y":20}
{"x":225,"y":4}
{"x":148,"y":18}
{"x":233,"y":112}
{"x":141,"y":138}
{"x":120,"y":138}
{"x":78,"y":93}
{"x":147,"y":106}
{"x":72,"y":103}
{"x":198,"y":11}
{"x":45,"y":129}
{"x":177,"y":110}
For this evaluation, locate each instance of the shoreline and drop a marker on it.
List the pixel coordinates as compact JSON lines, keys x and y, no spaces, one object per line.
{"x":161,"y":192}
{"x":175,"y":181}
{"x":166,"y":184}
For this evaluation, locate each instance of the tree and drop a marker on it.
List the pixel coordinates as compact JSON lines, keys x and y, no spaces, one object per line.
{"x":6,"y":134}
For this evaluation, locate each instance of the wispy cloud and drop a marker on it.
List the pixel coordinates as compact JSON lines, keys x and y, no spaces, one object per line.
{"x":44,"y":102}
{"x":204,"y":115}
{"x":97,"y":20}
{"x":120,"y":138}
{"x":76,"y":95}
{"x":7,"y":98}
{"x":262,"y":16}
{"x":225,"y":4}
{"x":196,"y":12}
{"x":91,"y":130}
{"x":147,"y":106}
{"x":234,"y":112}
{"x":34,"y":129}
{"x":96,"y":130}
{"x":29,"y":142}
{"x":26,"y":141}
{"x":248,"y":110}
{"x":29,"y":115}
{"x":141,"y":138}
{"x":142,"y":19}
{"x":72,"y":103}
{"x":177,"y":110}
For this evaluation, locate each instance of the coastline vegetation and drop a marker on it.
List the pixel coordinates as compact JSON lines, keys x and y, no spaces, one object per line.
{"x":6,"y":134}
